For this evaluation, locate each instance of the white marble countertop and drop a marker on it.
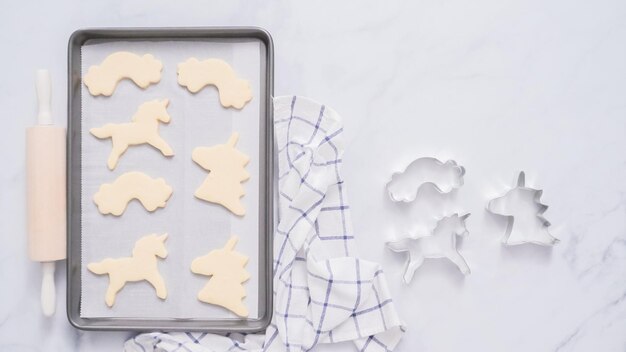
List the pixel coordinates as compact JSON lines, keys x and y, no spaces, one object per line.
{"x":499,"y":86}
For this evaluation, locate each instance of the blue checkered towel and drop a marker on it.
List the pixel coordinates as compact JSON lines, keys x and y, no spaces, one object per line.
{"x":323,"y":294}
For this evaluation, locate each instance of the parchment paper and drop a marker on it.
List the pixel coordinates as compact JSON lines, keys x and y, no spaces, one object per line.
{"x":194,"y":226}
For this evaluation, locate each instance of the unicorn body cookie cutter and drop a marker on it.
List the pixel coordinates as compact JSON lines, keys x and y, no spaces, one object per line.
{"x":440,"y":244}
{"x":444,"y":177}
{"x":144,"y":129}
{"x":526,"y":224}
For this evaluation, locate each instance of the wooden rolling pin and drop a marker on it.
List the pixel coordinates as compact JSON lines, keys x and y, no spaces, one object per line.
{"x":46,"y":196}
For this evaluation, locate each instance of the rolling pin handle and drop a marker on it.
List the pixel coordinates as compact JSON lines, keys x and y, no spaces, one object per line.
{"x":44,"y":116}
{"x":48,"y":294}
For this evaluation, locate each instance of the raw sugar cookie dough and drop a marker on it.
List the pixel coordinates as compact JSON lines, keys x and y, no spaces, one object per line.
{"x":195,"y":75}
{"x":141,"y":266}
{"x":227,"y":171}
{"x":197,"y":120}
{"x":144,"y":129}
{"x":103,"y":79}
{"x":113,"y":198}
{"x":227,"y":270}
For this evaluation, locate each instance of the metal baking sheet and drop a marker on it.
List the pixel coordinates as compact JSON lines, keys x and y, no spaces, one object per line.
{"x":196,"y":234}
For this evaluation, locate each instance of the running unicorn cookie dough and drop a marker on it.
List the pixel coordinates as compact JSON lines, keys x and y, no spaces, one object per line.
{"x":141,"y":266}
{"x":144,"y":129}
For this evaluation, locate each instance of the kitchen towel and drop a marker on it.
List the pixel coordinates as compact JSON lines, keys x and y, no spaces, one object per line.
{"x":322,"y":292}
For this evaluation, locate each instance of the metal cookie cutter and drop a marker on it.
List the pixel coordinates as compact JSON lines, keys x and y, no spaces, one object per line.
{"x":444,"y":177}
{"x":523,"y":208}
{"x":440,"y":244}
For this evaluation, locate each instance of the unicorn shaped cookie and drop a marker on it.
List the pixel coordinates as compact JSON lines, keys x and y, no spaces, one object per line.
{"x":112,"y":198}
{"x":144,"y":129}
{"x":225,"y":287}
{"x":103,"y":79}
{"x":523,"y":208}
{"x":227,"y":170}
{"x":441,"y":244}
{"x":141,"y":266}
{"x":195,"y":75}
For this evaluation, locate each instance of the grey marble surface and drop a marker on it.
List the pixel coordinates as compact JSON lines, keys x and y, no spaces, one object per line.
{"x":499,"y":86}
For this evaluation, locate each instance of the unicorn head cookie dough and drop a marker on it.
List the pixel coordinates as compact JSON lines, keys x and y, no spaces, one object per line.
{"x":227,"y":170}
{"x":227,"y":270}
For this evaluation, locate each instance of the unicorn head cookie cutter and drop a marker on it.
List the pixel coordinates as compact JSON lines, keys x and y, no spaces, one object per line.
{"x":443,"y":176}
{"x":526,"y":224}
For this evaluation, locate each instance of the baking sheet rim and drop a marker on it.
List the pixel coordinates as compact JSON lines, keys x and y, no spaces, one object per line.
{"x":266,"y":195}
